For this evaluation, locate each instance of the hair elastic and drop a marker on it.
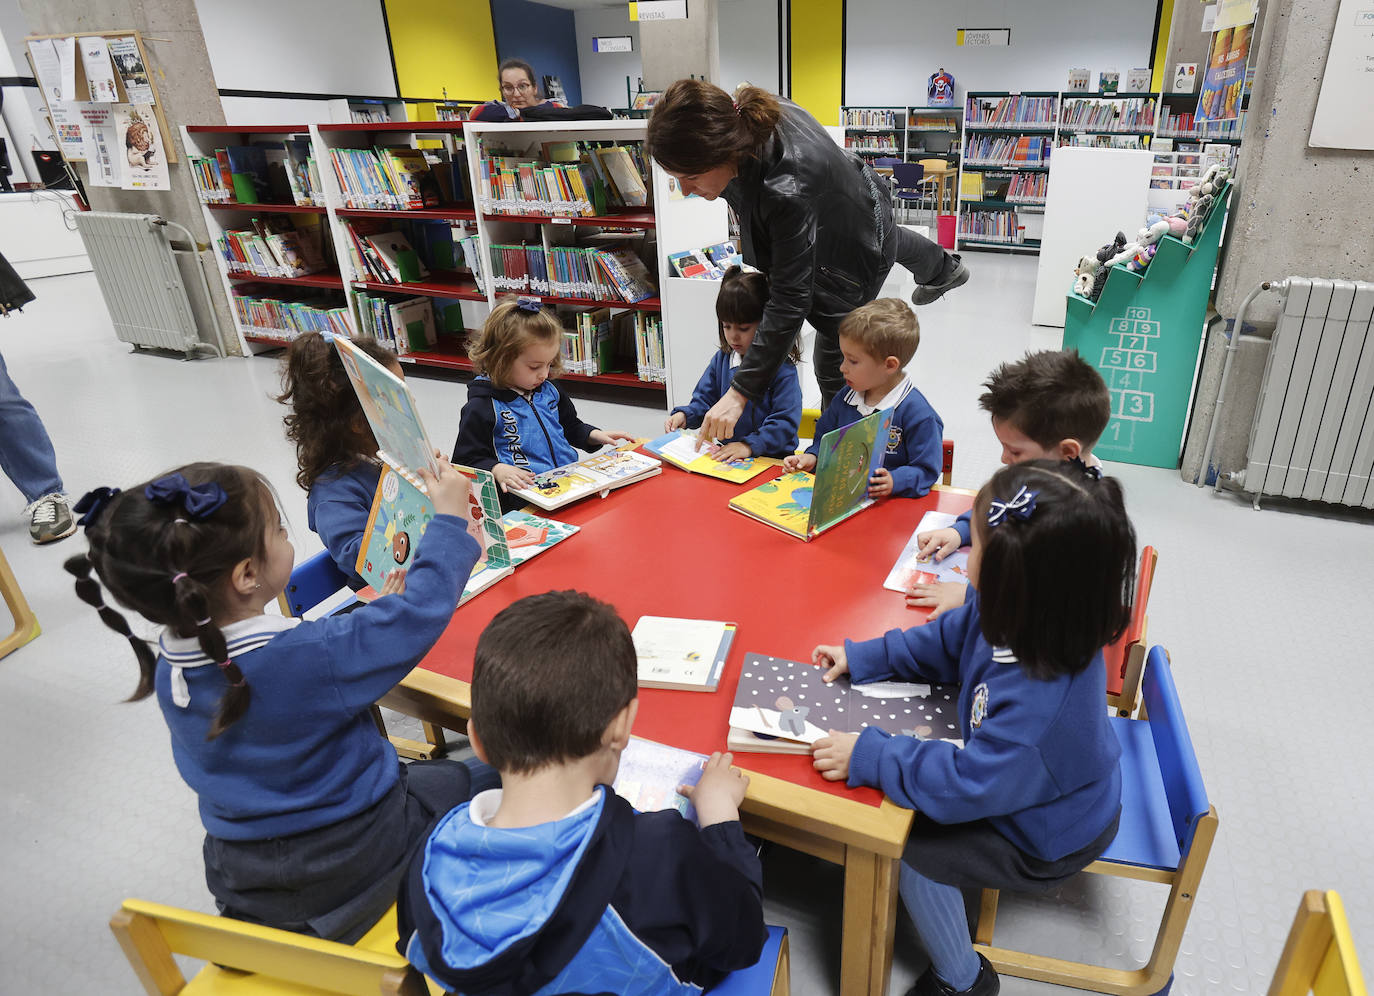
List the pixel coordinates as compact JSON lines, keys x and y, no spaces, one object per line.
{"x":203,"y":622}
{"x":178,"y":576}
{"x":180,"y":522}
{"x":1019,"y":506}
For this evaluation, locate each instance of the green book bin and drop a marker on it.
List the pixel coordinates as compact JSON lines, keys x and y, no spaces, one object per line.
{"x":1143,"y":335}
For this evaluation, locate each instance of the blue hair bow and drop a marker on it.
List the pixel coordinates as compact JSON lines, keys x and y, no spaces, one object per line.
{"x":92,"y":503}
{"x":1019,"y":506}
{"x":200,"y":500}
{"x":1095,"y":473}
{"x":531,"y":304}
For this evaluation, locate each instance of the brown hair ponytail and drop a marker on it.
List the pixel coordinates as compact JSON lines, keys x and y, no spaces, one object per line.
{"x":696,"y":126}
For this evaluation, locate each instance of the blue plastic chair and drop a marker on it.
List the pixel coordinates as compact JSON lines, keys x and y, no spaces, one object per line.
{"x":311,"y":583}
{"x":769,"y":976}
{"x":910,"y":184}
{"x":886,"y":162}
{"x":1166,"y":832}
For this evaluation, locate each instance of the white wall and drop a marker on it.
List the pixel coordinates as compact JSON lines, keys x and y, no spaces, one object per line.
{"x":894,"y":45}
{"x":298,"y":46}
{"x":603,"y":73}
{"x":748,"y":43}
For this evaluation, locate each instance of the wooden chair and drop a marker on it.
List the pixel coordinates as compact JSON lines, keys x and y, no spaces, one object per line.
{"x":1319,"y":956}
{"x":1125,"y":659}
{"x":1166,"y":833}
{"x":25,"y":622}
{"x":282,"y":963}
{"x":311,"y":583}
{"x":807,"y":432}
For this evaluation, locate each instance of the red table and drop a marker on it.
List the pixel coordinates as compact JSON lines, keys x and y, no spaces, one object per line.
{"x":670,"y":546}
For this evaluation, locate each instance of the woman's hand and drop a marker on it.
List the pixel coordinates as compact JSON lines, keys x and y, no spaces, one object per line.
{"x":719,"y":422}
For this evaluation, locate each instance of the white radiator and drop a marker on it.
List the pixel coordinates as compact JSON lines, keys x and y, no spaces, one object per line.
{"x":1313,"y":434}
{"x":136,"y":268}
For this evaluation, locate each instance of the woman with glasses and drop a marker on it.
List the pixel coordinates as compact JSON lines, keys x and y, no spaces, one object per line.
{"x":519,"y":92}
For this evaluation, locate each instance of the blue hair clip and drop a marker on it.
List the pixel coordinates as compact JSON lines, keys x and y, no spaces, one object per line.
{"x":1095,"y":473}
{"x":200,"y":500}
{"x":531,"y":304}
{"x":1020,"y":506}
{"x":92,"y":503}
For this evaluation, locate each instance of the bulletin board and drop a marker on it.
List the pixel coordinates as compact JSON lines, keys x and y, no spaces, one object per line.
{"x":82,"y":86}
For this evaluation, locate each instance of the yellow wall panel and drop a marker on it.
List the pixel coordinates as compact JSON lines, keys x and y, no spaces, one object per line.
{"x":443,"y":44}
{"x":816,"y":47}
{"x":1166,"y":20}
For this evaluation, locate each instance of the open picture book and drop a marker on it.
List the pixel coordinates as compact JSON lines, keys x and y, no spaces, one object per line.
{"x":598,"y":474}
{"x":805,"y":505}
{"x":910,"y":569}
{"x":686,"y":654}
{"x":650,"y":774}
{"x":402,"y":442}
{"x":783,"y":707}
{"x":679,"y":448}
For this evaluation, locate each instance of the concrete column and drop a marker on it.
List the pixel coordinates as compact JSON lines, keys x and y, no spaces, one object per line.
{"x":675,"y":50}
{"x":180,"y":67}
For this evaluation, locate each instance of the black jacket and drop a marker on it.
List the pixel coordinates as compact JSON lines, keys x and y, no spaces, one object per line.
{"x":816,"y":220}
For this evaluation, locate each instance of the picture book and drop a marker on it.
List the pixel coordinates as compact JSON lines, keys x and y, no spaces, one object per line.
{"x":724,"y":255}
{"x":597,"y":474}
{"x":1138,"y":81}
{"x":783,"y":707}
{"x":248,"y":172}
{"x":1108,"y":81}
{"x":694,"y":264}
{"x":398,"y":256}
{"x":686,"y":654}
{"x":804,"y":505}
{"x":910,"y":569}
{"x":390,"y":409}
{"x":528,"y":535}
{"x":1079,"y":81}
{"x":650,"y":774}
{"x":679,"y":448}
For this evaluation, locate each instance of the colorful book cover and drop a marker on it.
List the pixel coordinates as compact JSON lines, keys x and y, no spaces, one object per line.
{"x":724,"y":255}
{"x":846,"y":458}
{"x":650,"y":774}
{"x":597,"y":474}
{"x":390,"y":409}
{"x":910,"y":569}
{"x":528,"y":535}
{"x":679,"y":448}
{"x":248,"y":172}
{"x":784,"y":707}
{"x":398,"y":256}
{"x":784,"y":503}
{"x":684,"y":654}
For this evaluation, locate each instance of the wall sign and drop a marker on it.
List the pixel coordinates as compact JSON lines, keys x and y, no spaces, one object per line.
{"x":982,"y":37}
{"x":1345,"y":115}
{"x":659,"y":10}
{"x":615,"y":43}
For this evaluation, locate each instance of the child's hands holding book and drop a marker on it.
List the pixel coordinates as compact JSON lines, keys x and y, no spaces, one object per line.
{"x":608,"y":438}
{"x":719,"y":792}
{"x":510,"y":478}
{"x":799,"y":461}
{"x":830,"y":755}
{"x":939,"y":597}
{"x":937,"y":543}
{"x":449,"y":492}
{"x":880,"y":484}
{"x":832,"y":657}
{"x":395,"y":584}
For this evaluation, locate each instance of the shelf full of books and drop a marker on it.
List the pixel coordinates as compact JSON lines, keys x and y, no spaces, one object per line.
{"x":908,"y":132}
{"x":1008,"y":142}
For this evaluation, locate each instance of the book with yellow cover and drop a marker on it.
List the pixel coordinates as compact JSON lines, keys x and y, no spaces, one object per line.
{"x":679,"y":448}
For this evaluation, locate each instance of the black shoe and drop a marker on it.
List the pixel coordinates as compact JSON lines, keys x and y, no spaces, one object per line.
{"x":929,"y":984}
{"x":954,"y":274}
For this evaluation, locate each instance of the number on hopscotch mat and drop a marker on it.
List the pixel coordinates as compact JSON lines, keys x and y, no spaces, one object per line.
{"x":1126,"y":365}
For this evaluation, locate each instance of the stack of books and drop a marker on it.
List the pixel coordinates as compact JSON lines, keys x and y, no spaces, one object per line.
{"x":271,"y":249}
{"x":575,"y":179}
{"x":1025,"y":150}
{"x":1011,"y":112}
{"x":406,"y":326}
{"x":1108,"y":115}
{"x":288,"y":319}
{"x":584,"y":272}
{"x":396,"y":179}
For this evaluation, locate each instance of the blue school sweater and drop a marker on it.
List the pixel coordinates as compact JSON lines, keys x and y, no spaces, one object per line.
{"x":306,"y":752}
{"x":336,"y":509}
{"x":1039,"y":760}
{"x":538,"y":433}
{"x":915,"y":445}
{"x":767,"y":426}
{"x":604,"y":900}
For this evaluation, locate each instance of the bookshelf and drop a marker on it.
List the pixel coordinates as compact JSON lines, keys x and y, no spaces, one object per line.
{"x":270,"y":309}
{"x":933,"y":132}
{"x":1004,"y":167}
{"x":874,"y":132}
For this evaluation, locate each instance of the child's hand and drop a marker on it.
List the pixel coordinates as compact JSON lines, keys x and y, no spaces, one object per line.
{"x":608,"y":438}
{"x":449,"y":491}
{"x":830,"y":755}
{"x":511,"y":478}
{"x":732,"y":451}
{"x":719,"y":792}
{"x":939,"y":597}
{"x":799,"y":462}
{"x":395,"y":583}
{"x":832,"y":657}
{"x":937,"y":543}
{"x":880,"y":484}
{"x":677,"y":420}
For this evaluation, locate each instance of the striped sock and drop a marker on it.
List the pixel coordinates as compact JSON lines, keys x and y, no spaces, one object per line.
{"x":938,"y":911}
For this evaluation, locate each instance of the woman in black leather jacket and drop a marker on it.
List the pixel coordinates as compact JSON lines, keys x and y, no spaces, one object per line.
{"x":812,"y":216}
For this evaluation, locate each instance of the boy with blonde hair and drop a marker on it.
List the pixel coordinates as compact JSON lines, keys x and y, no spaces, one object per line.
{"x":877,"y":341}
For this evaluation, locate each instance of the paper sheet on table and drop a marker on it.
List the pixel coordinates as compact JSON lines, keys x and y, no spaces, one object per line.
{"x":909,"y":570}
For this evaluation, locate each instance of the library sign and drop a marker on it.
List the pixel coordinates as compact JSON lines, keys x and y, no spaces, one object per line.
{"x":982,"y":37}
{"x":659,"y":10}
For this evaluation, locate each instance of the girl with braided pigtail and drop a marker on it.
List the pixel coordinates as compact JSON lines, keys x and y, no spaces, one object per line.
{"x":308,"y":812}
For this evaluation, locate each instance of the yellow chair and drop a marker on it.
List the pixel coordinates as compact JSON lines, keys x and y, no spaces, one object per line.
{"x":808,"y":424}
{"x":25,"y":622}
{"x":261,"y":961}
{"x":1319,"y":956}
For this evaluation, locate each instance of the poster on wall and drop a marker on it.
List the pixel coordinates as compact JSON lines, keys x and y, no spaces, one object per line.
{"x":98,"y":136}
{"x":1345,"y":115}
{"x":95,"y":59}
{"x":1234,"y":13}
{"x":144,"y":166}
{"x":1224,"y":79}
{"x":66,"y":124}
{"x":132,"y":73}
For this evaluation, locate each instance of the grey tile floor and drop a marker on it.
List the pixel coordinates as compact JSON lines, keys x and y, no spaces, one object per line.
{"x":1262,"y":613}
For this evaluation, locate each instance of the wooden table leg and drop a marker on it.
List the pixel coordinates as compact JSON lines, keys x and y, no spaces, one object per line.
{"x":25,"y":622}
{"x":869,"y":923}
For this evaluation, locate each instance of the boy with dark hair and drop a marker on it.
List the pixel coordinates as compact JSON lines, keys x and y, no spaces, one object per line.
{"x":553,"y":883}
{"x":1050,"y":405}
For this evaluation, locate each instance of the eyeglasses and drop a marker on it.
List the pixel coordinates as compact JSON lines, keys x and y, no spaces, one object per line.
{"x":517,"y":88}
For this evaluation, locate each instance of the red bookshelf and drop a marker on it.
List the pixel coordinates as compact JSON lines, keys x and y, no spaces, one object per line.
{"x":449,"y":355}
{"x":420,"y":126}
{"x":329,"y":280}
{"x":247,"y":129}
{"x":265,"y":208}
{"x":648,"y":304}
{"x":444,"y":212}
{"x":638,"y":218}
{"x":453,"y":285}
{"x":269,"y":340}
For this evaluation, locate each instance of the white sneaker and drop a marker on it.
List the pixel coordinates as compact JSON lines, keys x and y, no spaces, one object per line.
{"x":51,"y":518}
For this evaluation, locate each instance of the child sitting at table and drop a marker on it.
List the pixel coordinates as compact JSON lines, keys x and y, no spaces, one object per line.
{"x":553,"y":883}
{"x":877,"y":341}
{"x":1050,"y":405}
{"x":517,"y":422}
{"x":336,"y":454}
{"x":1034,"y":795}
{"x":308,"y":813}
{"x":767,"y":427}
